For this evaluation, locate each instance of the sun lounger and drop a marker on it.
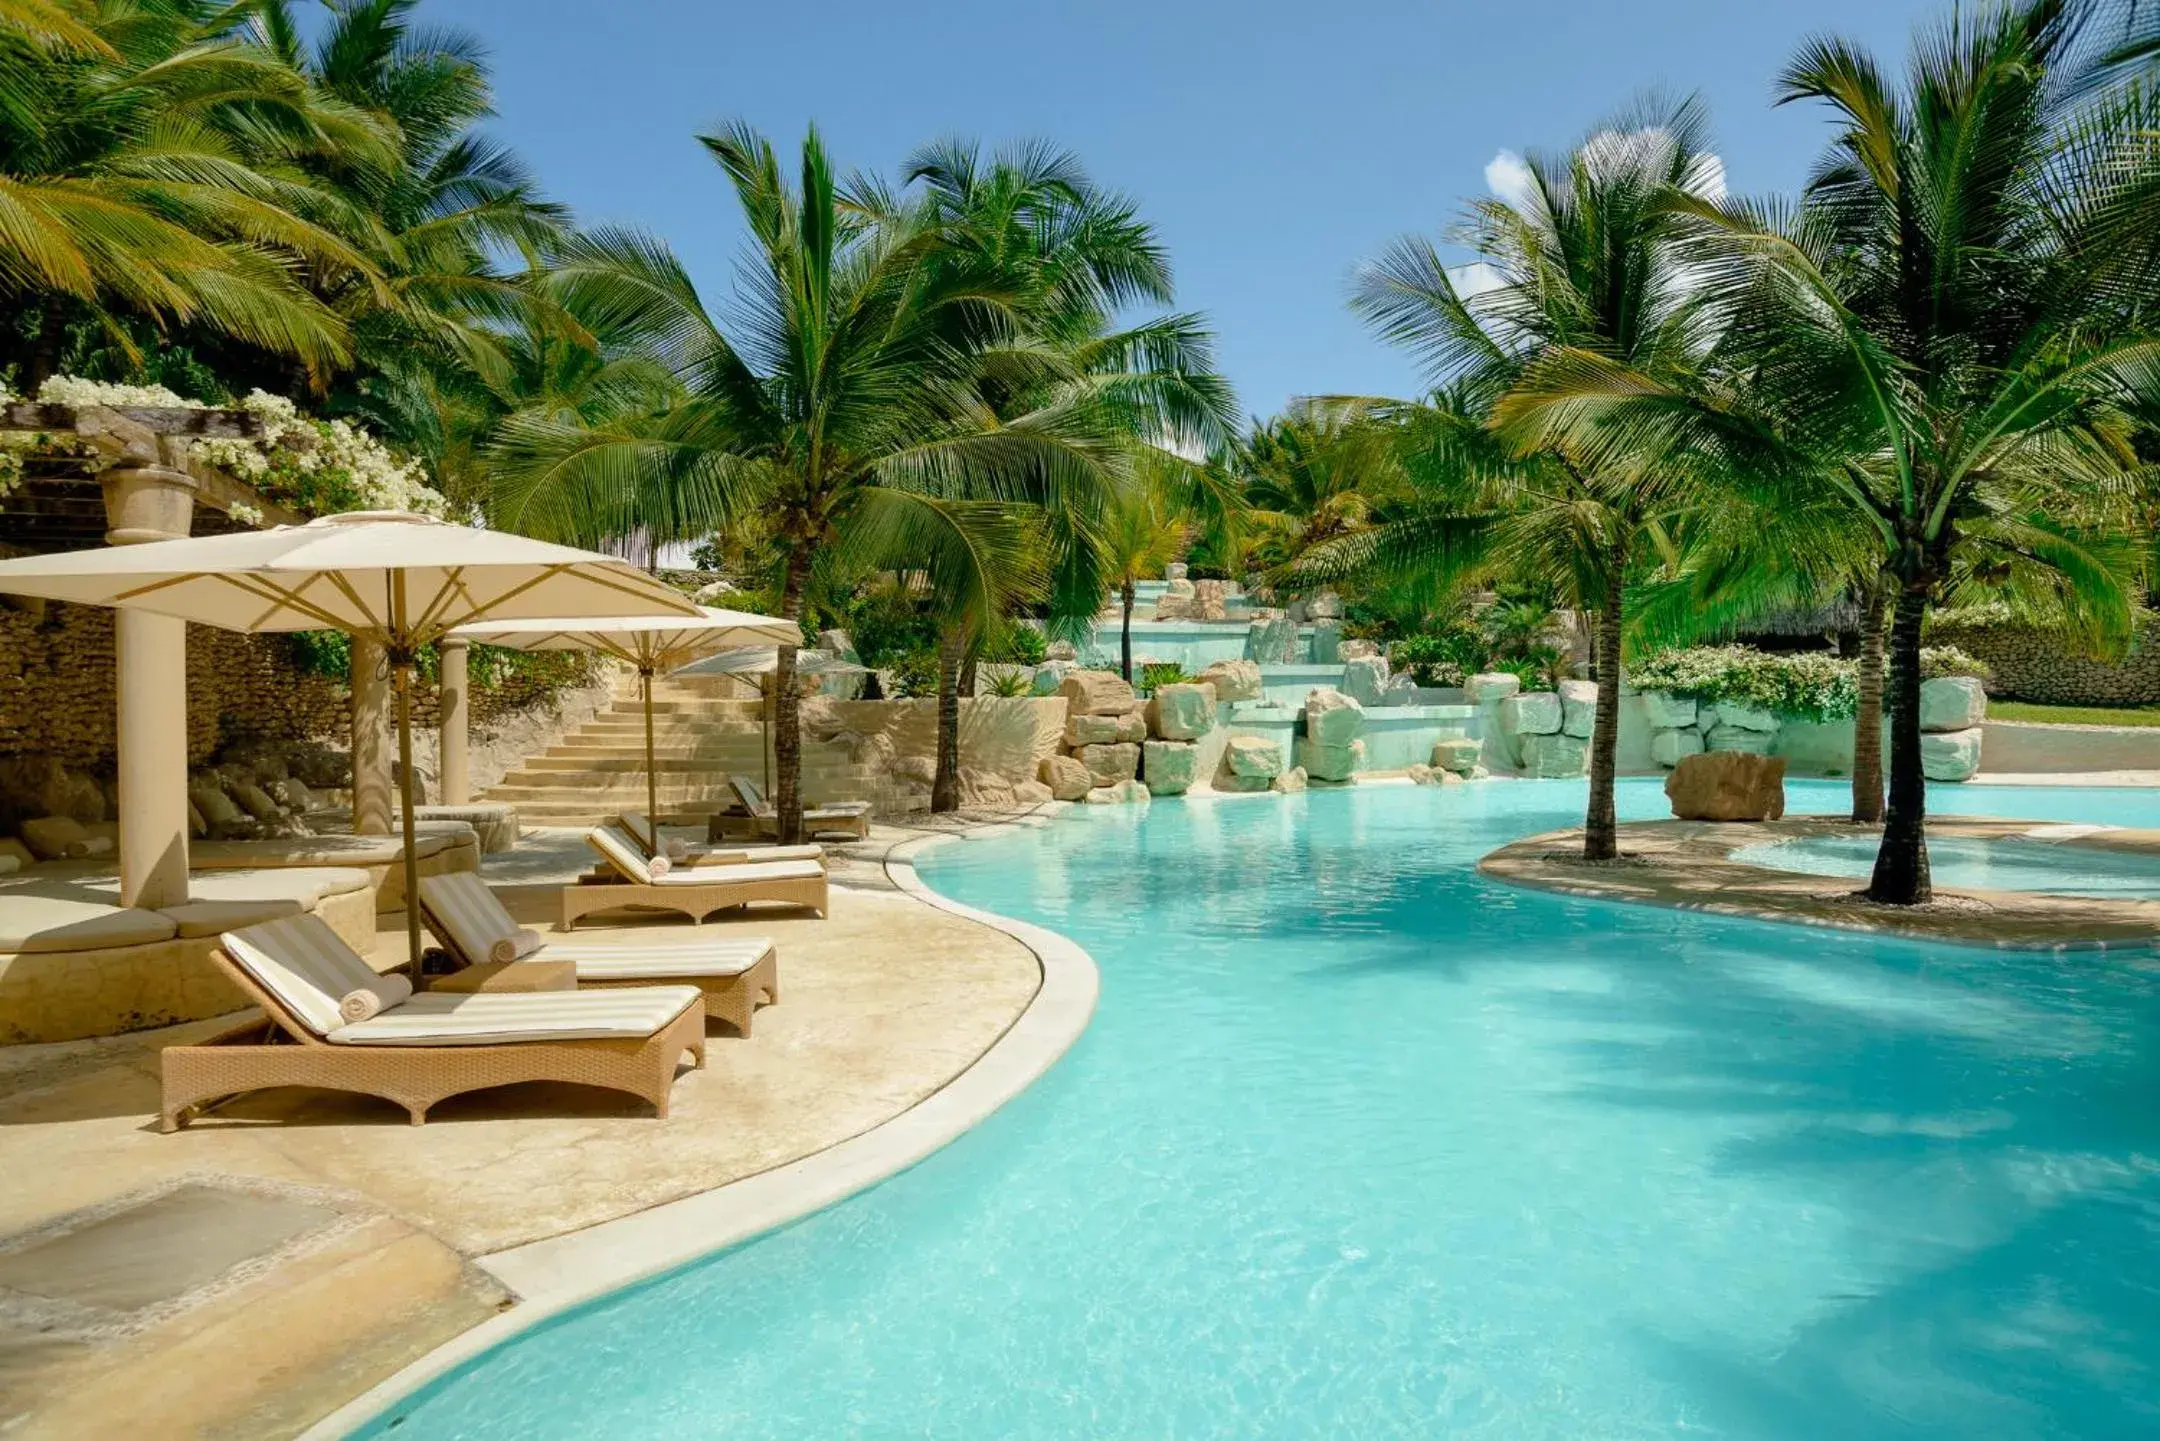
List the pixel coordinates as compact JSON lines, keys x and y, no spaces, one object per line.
{"x":638,"y":828}
{"x":841,"y":817}
{"x":735,"y":973}
{"x":427,"y":1047}
{"x":696,"y":891}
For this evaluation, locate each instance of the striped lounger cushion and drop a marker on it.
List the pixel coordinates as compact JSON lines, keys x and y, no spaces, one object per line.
{"x":462,"y":904}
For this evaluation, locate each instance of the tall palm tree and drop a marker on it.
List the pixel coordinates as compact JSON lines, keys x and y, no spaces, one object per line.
{"x":844,"y":387}
{"x":1313,"y":474}
{"x":1953,"y":331}
{"x":150,"y":167}
{"x":1141,"y":534}
{"x":1591,"y":259}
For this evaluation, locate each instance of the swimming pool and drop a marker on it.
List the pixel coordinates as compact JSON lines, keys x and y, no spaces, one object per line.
{"x":2004,"y":864}
{"x":1361,"y":1145}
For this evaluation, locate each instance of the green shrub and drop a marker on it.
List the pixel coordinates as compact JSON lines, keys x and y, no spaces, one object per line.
{"x":1007,"y":680}
{"x":1811,"y":686}
{"x":915,"y":674}
{"x":1160,"y":673}
{"x":1440,"y":657}
{"x":1019,"y":645}
{"x":1945,"y":660}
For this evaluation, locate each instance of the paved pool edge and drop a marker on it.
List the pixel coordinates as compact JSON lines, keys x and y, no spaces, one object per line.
{"x":562,"y":1272}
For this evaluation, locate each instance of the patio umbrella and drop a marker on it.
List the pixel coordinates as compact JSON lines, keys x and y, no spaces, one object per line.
{"x":655,"y":644}
{"x":400,"y":580}
{"x":763,"y":661}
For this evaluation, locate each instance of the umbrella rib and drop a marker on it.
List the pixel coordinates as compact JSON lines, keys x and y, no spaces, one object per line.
{"x":351,"y":592}
{"x":547,"y":573}
{"x":453,"y":586}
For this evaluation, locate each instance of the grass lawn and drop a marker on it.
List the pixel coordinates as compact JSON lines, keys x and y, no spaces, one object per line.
{"x":2074,"y":715}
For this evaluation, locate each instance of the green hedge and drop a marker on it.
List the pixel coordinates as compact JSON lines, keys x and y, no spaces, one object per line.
{"x":1812,"y":685}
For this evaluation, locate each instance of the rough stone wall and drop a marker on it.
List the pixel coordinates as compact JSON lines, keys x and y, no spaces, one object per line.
{"x":2038,"y":665}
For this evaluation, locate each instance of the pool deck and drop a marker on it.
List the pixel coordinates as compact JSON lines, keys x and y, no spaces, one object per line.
{"x":1689,"y":865}
{"x":287,"y":1252}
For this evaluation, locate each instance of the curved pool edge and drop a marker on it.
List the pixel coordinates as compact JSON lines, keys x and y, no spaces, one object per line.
{"x":558,"y":1274}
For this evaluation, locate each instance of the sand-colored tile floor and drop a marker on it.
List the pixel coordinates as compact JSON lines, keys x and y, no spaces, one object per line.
{"x":286,"y":1252}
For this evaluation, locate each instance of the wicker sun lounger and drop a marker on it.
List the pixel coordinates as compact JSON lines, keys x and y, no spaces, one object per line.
{"x":735,"y":973}
{"x":840,"y":817}
{"x":639,"y":830}
{"x":429,"y":1047}
{"x":695,"y":891}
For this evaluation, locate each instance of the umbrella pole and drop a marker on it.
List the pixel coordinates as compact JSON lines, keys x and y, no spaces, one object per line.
{"x":401,"y":668}
{"x":652,"y":784}
{"x":765,"y":706}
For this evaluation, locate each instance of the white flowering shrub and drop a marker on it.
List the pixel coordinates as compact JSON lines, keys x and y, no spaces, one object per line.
{"x":1810,"y":686}
{"x":318,"y":466}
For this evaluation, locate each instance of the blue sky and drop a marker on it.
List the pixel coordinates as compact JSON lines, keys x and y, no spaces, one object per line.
{"x":1274,"y":144}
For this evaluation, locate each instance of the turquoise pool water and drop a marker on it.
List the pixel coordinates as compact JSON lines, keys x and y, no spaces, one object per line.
{"x":2008,"y":864}
{"x":1362,"y":1146}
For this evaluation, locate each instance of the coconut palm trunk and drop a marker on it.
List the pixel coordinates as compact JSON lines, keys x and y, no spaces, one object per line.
{"x":1125,"y":594}
{"x":1901,"y":867}
{"x":1867,"y":778}
{"x":952,"y":654}
{"x":1601,"y":839}
{"x":787,"y":709}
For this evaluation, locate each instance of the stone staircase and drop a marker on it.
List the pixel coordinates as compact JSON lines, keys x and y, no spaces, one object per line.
{"x":702,"y":734}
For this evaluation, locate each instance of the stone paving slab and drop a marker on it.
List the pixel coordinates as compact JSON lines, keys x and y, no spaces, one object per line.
{"x":1688,"y":865}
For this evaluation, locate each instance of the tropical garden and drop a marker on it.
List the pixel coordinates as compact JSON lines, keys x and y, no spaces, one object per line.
{"x":953,"y":409}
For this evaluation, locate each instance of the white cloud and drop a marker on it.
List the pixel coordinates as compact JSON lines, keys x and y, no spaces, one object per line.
{"x":1475,"y":279}
{"x":1507,"y":177}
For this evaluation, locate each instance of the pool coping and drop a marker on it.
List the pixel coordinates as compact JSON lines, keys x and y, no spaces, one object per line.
{"x":555,"y":1275}
{"x":1694,"y":866}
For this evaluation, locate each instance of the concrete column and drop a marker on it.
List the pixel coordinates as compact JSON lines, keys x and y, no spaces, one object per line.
{"x":146,"y":503}
{"x":372,"y":807}
{"x":455,"y":784}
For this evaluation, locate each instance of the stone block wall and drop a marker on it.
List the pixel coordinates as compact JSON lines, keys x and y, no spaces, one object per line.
{"x":2038,"y":665}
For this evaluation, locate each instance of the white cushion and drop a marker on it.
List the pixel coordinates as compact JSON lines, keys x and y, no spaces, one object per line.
{"x":302,"y":963}
{"x":55,"y":916}
{"x":620,"y":853}
{"x":435,"y":1018}
{"x":639,"y":962}
{"x":743,"y":874}
{"x":469,"y":916}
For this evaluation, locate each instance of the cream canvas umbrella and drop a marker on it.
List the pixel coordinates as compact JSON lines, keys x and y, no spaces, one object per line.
{"x":655,"y":644}
{"x":397,"y":579}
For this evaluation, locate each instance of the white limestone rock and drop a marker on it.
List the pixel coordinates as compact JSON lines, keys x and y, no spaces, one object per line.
{"x":1327,"y":605}
{"x":1170,"y":767}
{"x":1457,"y":754}
{"x":1331,"y":762}
{"x":1092,"y":730}
{"x":1350,"y":650}
{"x":1554,"y":756}
{"x":1253,"y":757}
{"x":1096,"y":692}
{"x":1123,"y":793}
{"x":1365,"y":679}
{"x":1737,"y":738}
{"x":1491,"y":685}
{"x":1332,"y":718}
{"x":1061,"y":650}
{"x":1067,"y":779}
{"x":1666,"y":711}
{"x":1290,"y":782}
{"x":1271,"y":639}
{"x":1400,"y":690}
{"x":1578,"y":707}
{"x":1031,"y":793}
{"x":1110,"y":764}
{"x":1745,"y":717}
{"x":1181,"y":711}
{"x":1534,"y":713}
{"x":1670,"y":747}
{"x":1423,"y":775}
{"x":1327,"y":642}
{"x":1952,"y":703}
{"x":1950,"y":755}
{"x":1234,"y":680}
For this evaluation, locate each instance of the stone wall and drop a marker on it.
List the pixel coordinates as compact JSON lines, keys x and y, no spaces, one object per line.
{"x":2039,"y":665}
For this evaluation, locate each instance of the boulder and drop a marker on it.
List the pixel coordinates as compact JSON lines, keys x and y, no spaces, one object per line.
{"x":1355,"y":650}
{"x":1253,"y":757}
{"x":1950,"y":755}
{"x":1176,"y":570}
{"x":1327,"y":642}
{"x":1181,"y":711}
{"x":1067,"y":779}
{"x":1234,"y":680}
{"x":1666,"y":711}
{"x":1061,"y":650}
{"x":254,"y":800}
{"x":1535,"y":713}
{"x":1096,"y":692}
{"x":1327,"y":605}
{"x":1365,"y":679}
{"x":1331,"y":762}
{"x":1578,"y":707}
{"x":1952,"y":703}
{"x":1745,"y":717}
{"x":1050,"y":676}
{"x":1457,"y":754}
{"x":1669,"y":747}
{"x":1400,"y":690}
{"x":985,"y":790}
{"x":1123,"y":793}
{"x":840,"y":644}
{"x":320,"y":766}
{"x":1733,"y":739}
{"x":1290,"y":782}
{"x":1423,"y":775}
{"x":1176,"y":601}
{"x":56,"y":838}
{"x":1092,"y":730}
{"x":1727,"y":786}
{"x":1031,"y":793}
{"x":1491,"y":685}
{"x":293,"y":794}
{"x":197,"y":827}
{"x":1109,"y":764}
{"x":218,"y":811}
{"x":916,"y":770}
{"x":1332,"y":718}
{"x":1554,"y":756}
{"x":1208,"y":602}
{"x":1271,"y":639}
{"x":1170,"y":767}
{"x":1132,"y":726}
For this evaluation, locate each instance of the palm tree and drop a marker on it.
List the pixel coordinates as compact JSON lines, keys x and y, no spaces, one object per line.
{"x":150,"y":168}
{"x":845,"y":388}
{"x":1141,"y":534}
{"x":1313,"y":474}
{"x":1590,"y":260}
{"x":1951,"y":331}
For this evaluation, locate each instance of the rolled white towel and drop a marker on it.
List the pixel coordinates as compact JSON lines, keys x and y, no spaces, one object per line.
{"x":658,"y":866}
{"x":373,"y":1000}
{"x":515,"y":947}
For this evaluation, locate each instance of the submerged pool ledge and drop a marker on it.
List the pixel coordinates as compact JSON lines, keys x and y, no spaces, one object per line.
{"x":1690,"y":865}
{"x":561,"y":1273}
